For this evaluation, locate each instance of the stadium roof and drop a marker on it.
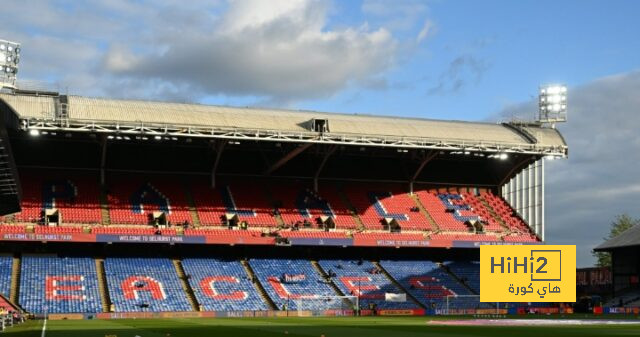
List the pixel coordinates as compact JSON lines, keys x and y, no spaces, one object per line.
{"x":75,"y":113}
{"x":628,"y":238}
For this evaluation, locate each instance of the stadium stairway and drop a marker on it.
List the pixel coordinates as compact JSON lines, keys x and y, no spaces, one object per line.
{"x":15,"y":279}
{"x":258,"y":285}
{"x":493,"y":212}
{"x":185,"y":285}
{"x":104,"y":207}
{"x":269,"y":195}
{"x":318,"y":267}
{"x":102,"y":286}
{"x":352,"y":209}
{"x":397,"y":284}
{"x":192,"y":206}
{"x":424,"y":211}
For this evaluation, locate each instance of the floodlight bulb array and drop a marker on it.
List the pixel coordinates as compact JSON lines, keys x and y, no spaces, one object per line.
{"x":9,"y":59}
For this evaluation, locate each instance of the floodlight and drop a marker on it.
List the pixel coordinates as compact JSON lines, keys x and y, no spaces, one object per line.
{"x":552,"y":104}
{"x":9,"y":58}
{"x":34,"y":132}
{"x":503,"y":156}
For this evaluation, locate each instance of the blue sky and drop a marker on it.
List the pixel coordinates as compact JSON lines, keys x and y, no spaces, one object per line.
{"x":464,"y":60}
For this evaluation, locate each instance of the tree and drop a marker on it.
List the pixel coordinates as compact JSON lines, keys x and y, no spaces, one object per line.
{"x":621,"y":223}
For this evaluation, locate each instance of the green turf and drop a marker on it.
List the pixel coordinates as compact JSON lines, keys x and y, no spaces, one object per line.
{"x":294,"y":327}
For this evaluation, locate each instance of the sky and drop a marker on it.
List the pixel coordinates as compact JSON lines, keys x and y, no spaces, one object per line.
{"x":463,"y":60}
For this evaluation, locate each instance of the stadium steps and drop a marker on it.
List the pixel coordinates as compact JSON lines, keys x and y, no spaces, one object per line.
{"x":493,"y":213}
{"x":256,"y":283}
{"x":424,"y":211}
{"x":455,"y":277}
{"x":352,"y":209}
{"x":192,"y":206}
{"x":15,"y":279}
{"x":326,"y":276}
{"x":191,"y":296}
{"x":102,"y":286}
{"x":104,"y":207}
{"x":269,"y":195}
{"x":397,"y":284}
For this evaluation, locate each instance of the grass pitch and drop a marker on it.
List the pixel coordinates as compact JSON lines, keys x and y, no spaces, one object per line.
{"x":294,"y":327}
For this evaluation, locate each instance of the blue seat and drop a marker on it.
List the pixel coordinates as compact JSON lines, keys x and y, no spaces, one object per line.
{"x":353,"y":276}
{"x":285,"y":293}
{"x":222,"y":285}
{"x":6,"y":265}
{"x":145,"y":284}
{"x":43,"y":279}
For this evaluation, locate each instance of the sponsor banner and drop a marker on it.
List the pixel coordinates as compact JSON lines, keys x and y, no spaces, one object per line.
{"x":528,"y":273}
{"x":320,"y":242}
{"x":55,"y":317}
{"x":391,"y":297}
{"x":373,"y":242}
{"x":239,"y":240}
{"x":72,"y":237}
{"x":401,"y":312}
{"x":626,"y":311}
{"x":477,"y":244}
{"x":149,"y":238}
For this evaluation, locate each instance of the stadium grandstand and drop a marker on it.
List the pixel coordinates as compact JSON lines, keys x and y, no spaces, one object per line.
{"x":623,"y":279}
{"x":119,"y":207}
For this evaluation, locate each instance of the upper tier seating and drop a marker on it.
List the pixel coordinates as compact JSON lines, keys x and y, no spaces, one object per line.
{"x":246,"y":199}
{"x":502,"y":208}
{"x":144,"y":284}
{"x":222,"y":285}
{"x":6,"y":263}
{"x":373,"y":204}
{"x":437,"y":205}
{"x":132,"y":199}
{"x":298,"y":203}
{"x":75,"y":195}
{"x":361,"y":278}
{"x":304,"y":281}
{"x":59,"y":285}
{"x":427,"y":282}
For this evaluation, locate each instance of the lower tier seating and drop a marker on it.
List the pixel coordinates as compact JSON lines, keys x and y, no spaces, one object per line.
{"x":145,"y":284}
{"x":6,"y":263}
{"x":222,"y":285}
{"x":287,"y":281}
{"x":59,"y":285}
{"x":363,"y":279}
{"x":467,"y":271}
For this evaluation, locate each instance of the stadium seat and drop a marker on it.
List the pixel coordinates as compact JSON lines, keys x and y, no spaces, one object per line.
{"x":59,"y":285}
{"x":222,"y":285}
{"x":144,"y":284}
{"x":6,"y":263}
{"x":375,"y":203}
{"x":305,"y":282}
{"x":246,"y":199}
{"x":133,"y":198}
{"x":358,"y":278}
{"x":300,"y":203}
{"x":75,"y":195}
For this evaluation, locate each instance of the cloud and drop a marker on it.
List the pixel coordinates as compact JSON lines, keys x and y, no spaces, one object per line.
{"x":270,"y":49}
{"x":426,"y":30}
{"x":462,"y":71}
{"x":600,"y":178}
{"x":277,"y":50}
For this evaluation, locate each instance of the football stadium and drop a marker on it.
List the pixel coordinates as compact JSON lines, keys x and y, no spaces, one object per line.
{"x":141,"y":217}
{"x":175,"y":216}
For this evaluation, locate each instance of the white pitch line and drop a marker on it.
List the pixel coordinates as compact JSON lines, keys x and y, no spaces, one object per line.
{"x":44,"y":327}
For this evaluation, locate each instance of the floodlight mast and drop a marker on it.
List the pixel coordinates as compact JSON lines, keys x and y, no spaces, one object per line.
{"x":552,"y":104}
{"x":9,"y":59}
